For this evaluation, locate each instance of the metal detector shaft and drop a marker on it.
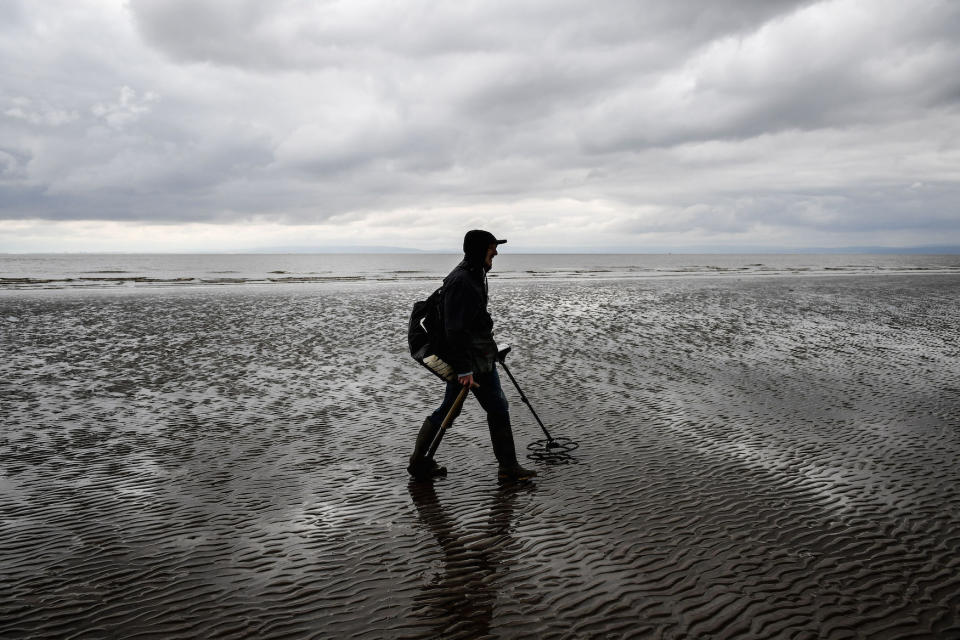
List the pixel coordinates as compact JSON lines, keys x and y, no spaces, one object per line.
{"x":454,"y":410}
{"x":525,"y":401}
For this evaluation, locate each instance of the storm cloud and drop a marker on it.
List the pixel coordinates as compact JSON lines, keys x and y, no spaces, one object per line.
{"x":562,"y":123}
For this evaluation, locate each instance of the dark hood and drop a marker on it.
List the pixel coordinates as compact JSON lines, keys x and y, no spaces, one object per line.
{"x":475,"y":245}
{"x":473,"y":254}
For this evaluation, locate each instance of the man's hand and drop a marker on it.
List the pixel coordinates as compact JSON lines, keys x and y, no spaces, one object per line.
{"x":467,"y":380}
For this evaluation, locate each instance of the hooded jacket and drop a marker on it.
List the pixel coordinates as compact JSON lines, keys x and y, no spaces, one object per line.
{"x":470,"y":347}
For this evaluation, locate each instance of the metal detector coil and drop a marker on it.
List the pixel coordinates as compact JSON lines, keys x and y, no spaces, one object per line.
{"x":555,"y":451}
{"x":550,"y":450}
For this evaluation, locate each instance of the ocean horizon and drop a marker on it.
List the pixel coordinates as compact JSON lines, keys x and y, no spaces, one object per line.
{"x":112,"y":270}
{"x":521,"y":249}
{"x":108,"y":270}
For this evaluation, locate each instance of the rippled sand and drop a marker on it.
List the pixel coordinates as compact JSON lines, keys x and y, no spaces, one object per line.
{"x":760,"y":458}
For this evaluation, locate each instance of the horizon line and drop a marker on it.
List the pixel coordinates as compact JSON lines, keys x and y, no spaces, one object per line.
{"x":366,"y":250}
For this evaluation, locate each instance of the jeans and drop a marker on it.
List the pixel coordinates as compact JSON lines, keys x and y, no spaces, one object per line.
{"x":489,"y":394}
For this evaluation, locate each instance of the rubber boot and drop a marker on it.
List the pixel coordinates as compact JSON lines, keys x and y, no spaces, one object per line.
{"x":421,"y":467}
{"x":501,"y":436}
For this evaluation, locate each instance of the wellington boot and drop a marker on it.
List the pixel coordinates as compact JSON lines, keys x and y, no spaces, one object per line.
{"x":515,"y":473}
{"x":501,"y":436}
{"x":426,"y":469}
{"x":421,"y":467}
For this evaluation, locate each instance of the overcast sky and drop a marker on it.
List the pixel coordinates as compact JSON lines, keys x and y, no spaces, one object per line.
{"x":232,"y":124}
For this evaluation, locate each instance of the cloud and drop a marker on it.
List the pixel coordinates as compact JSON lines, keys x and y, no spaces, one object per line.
{"x":46,"y":114}
{"x":831,"y":64}
{"x":620,"y":122}
{"x":304,"y":33}
{"x":128,"y":108}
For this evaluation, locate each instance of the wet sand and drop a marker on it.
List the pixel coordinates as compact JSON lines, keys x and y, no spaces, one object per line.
{"x":760,"y":458}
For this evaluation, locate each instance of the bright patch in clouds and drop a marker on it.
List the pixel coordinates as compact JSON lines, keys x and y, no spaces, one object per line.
{"x":211,"y":125}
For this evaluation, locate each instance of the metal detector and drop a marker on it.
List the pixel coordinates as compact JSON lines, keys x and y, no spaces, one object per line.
{"x":550,"y":450}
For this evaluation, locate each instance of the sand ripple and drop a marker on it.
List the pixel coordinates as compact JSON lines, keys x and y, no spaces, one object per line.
{"x":758,"y":459}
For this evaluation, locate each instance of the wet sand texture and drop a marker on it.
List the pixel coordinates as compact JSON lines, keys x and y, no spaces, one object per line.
{"x":766,"y":458}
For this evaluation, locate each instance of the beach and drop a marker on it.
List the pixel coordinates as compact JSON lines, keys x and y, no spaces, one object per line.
{"x":760,"y":457}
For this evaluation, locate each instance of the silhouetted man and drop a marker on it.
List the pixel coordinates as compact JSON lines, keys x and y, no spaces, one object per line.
{"x":472,"y":353}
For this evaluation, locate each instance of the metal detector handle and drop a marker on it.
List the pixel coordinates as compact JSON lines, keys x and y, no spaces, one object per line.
{"x":455,"y":407}
{"x":454,"y":410}
{"x":523,"y":396}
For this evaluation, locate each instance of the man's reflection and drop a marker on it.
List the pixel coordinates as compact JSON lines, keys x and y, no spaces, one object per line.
{"x":461,"y":599}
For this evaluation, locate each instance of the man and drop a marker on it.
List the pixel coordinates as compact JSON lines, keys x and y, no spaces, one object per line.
{"x":472,"y":352}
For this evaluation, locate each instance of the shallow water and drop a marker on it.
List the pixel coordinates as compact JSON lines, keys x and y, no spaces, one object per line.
{"x":99,"y":271}
{"x":760,"y":458}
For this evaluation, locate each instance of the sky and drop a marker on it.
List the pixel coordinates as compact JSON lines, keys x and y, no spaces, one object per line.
{"x":639,"y":125}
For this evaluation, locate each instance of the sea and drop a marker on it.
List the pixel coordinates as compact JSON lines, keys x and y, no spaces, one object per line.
{"x":102,"y":271}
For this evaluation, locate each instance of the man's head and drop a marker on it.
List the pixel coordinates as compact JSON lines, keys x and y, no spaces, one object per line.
{"x":479,"y":247}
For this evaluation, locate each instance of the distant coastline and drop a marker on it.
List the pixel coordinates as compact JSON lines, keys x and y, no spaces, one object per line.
{"x":519,"y":249}
{"x":922,"y":250}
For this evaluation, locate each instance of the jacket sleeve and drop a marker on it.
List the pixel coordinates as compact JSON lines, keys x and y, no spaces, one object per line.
{"x":461,"y":303}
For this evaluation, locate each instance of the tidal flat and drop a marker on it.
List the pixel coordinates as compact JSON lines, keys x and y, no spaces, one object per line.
{"x":760,"y":457}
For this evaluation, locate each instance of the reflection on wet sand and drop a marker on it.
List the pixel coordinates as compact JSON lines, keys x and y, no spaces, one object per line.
{"x":458,"y":601}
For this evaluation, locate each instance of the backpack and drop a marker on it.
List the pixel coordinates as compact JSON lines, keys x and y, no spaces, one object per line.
{"x":425,"y":335}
